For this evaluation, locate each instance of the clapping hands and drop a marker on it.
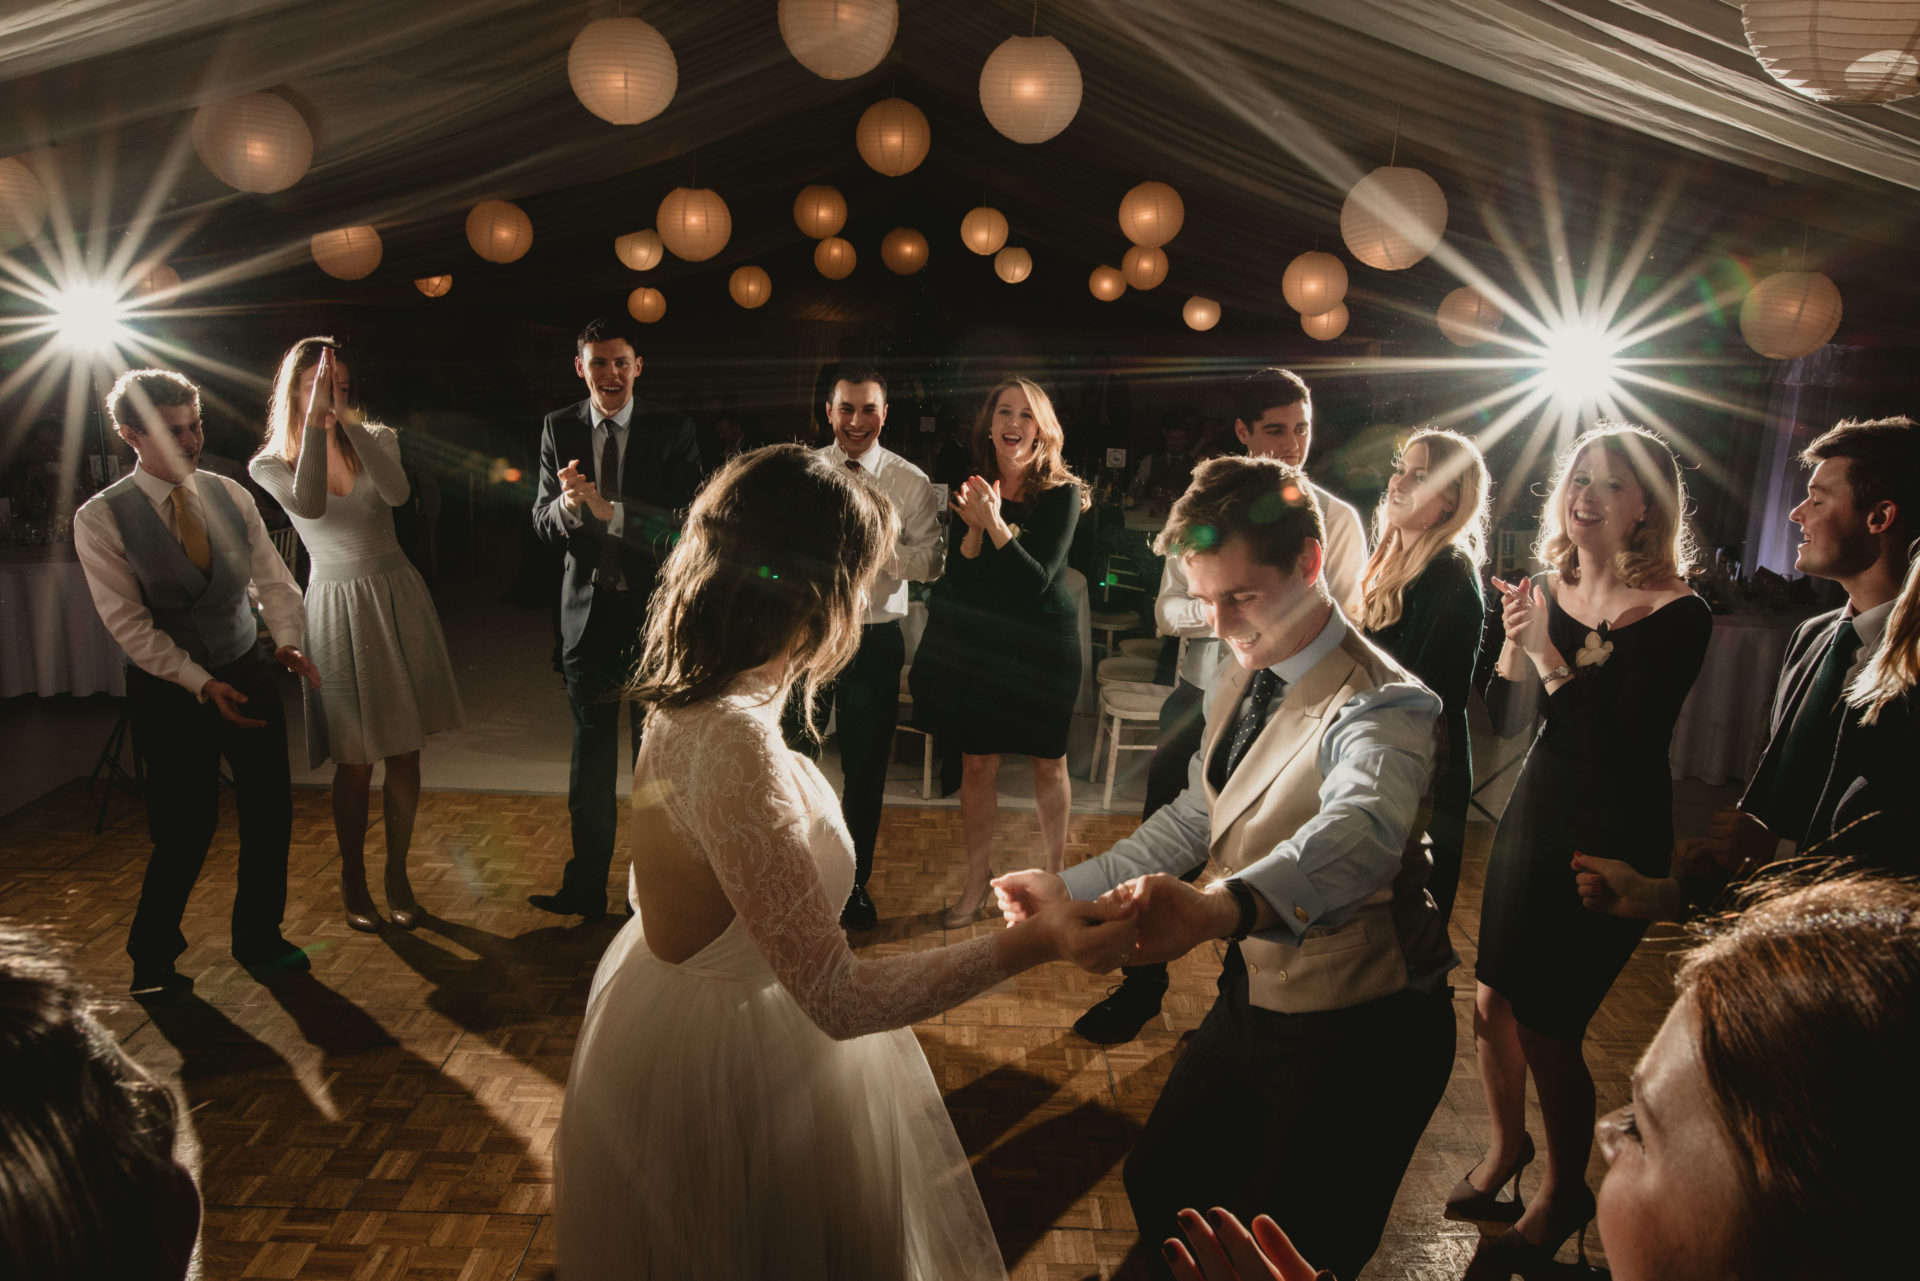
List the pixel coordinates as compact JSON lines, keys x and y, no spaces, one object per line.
{"x":1523,"y":615}
{"x":978,"y":504}
{"x":576,"y":491}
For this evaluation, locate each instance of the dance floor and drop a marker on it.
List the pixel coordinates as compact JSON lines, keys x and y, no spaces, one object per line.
{"x":393,"y":1114}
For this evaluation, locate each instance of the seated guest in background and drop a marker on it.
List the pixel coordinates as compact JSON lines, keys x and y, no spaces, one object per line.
{"x":1274,"y":419}
{"x":176,"y":562}
{"x":386,"y":681}
{"x":1308,"y":1084}
{"x":1164,"y":474}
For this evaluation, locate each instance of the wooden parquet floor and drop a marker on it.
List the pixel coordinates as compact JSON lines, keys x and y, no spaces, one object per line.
{"x":393,"y":1114}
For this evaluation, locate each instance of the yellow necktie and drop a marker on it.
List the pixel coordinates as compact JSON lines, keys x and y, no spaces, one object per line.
{"x":193,"y":534}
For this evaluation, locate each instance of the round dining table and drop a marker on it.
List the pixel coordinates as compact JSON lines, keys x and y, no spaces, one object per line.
{"x":51,"y":638}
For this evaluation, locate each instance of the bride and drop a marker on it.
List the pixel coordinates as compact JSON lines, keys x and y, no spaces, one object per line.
{"x":746,"y":1099}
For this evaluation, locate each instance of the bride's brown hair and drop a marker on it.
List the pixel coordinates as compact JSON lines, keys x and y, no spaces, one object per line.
{"x":777,"y":556}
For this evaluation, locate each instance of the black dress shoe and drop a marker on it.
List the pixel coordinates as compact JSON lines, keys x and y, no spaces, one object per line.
{"x":1120,"y":1017}
{"x":271,"y":958}
{"x":564,"y":904}
{"x":859,"y":913}
{"x":159,"y":984}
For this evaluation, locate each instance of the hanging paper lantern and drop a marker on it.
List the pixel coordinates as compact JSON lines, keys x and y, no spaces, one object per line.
{"x":157,"y":279}
{"x":834,"y":258}
{"x":1030,"y":88}
{"x":839,"y":39}
{"x":893,"y":136}
{"x":1315,"y":283}
{"x":694,"y":223}
{"x":904,"y":251}
{"x":646,"y":304}
{"x":1790,"y":314}
{"x":750,"y":286}
{"x":1838,"y":50}
{"x":1393,"y":218}
{"x":1013,"y":265}
{"x":1151,"y":214}
{"x":984,"y":230}
{"x":1200,"y":313}
{"x":1468,"y":317}
{"x":1327,"y":326}
{"x":1144,"y":266}
{"x":256,"y":142}
{"x":347,"y":253}
{"x":499,"y":230}
{"x":640,"y":250}
{"x":434,"y":286}
{"x":820,"y":211}
{"x":1107,"y":283}
{"x":622,"y":70}
{"x":23,"y":204}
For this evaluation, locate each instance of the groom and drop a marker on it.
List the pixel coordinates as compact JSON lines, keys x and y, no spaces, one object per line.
{"x":1310,"y":1081}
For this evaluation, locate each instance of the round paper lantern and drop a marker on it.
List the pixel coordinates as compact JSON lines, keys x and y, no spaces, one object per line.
{"x":158,"y":279}
{"x":893,"y":136}
{"x":1013,"y":265}
{"x":904,"y":251}
{"x":256,"y":142}
{"x":1151,"y":214}
{"x":839,"y":39}
{"x":1107,"y":283}
{"x":834,"y":258}
{"x":1838,"y":50}
{"x":1144,"y":266}
{"x":694,"y":223}
{"x":499,"y":230}
{"x":1790,"y":314}
{"x":1326,"y":326}
{"x":1468,"y":317}
{"x":820,"y":211}
{"x":1030,"y":88}
{"x":1200,"y":313}
{"x":434,"y":286}
{"x":984,"y":230}
{"x":23,"y":204}
{"x":347,"y":253}
{"x":750,"y":286}
{"x":646,"y":304}
{"x":1315,"y":283}
{"x":622,"y":70}
{"x":1393,"y":218}
{"x":640,"y":250}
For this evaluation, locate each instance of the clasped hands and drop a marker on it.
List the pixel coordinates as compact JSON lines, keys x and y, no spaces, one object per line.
{"x":978,"y":504}
{"x":1165,"y":917}
{"x":1736,"y":843}
{"x":329,"y":388}
{"x":576,"y":491}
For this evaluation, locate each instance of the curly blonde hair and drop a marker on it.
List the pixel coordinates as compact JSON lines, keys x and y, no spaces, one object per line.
{"x":1048,"y":469}
{"x":1453,"y":462}
{"x":1661,"y":547}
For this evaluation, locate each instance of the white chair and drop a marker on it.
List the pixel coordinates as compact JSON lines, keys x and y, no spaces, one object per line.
{"x":1130,"y":671}
{"x":287,"y":543}
{"x":1122,"y":705}
{"x":906,"y":715}
{"x":1142,"y":647}
{"x":1112,"y":622}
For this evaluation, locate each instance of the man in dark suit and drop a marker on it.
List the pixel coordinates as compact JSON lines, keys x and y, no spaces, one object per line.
{"x":614,"y":474}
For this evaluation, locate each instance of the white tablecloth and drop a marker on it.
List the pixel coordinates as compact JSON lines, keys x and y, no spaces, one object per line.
{"x":51,"y":638}
{"x":1723,"y":723}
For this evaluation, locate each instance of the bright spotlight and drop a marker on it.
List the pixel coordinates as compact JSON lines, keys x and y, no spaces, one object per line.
{"x":87,"y":318}
{"x":1579,"y":364}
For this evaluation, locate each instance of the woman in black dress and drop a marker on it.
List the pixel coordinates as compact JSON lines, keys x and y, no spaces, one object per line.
{"x":1423,"y":605}
{"x":1607,"y":644}
{"x":998,"y":670}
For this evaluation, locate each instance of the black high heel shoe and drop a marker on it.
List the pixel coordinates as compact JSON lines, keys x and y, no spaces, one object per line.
{"x":1512,"y":1255}
{"x":1468,"y":1204}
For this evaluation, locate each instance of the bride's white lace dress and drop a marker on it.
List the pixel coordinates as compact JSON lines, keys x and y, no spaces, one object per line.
{"x":712,"y":1128}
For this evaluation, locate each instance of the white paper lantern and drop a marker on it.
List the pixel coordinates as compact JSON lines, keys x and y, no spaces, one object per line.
{"x":1200,"y":313}
{"x":750,"y":286}
{"x":1468,"y":317}
{"x":694,"y":223}
{"x":1030,"y":88}
{"x":499,"y":230}
{"x":1107,"y":283}
{"x":820,"y":211}
{"x":434,"y":286}
{"x":1327,"y":326}
{"x":157,"y":279}
{"x":839,"y":39}
{"x":1315,"y":283}
{"x":1790,"y":314}
{"x":1393,"y":218}
{"x":1151,"y":214}
{"x":984,"y":230}
{"x":23,"y":204}
{"x":256,"y":142}
{"x":640,"y":250}
{"x":1013,"y":265}
{"x":893,"y":136}
{"x":1838,"y":50}
{"x":622,"y":70}
{"x":834,"y":258}
{"x":904,"y":251}
{"x":1144,"y":266}
{"x":646,"y":304}
{"x":347,"y":253}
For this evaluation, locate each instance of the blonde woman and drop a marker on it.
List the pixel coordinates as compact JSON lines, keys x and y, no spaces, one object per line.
{"x":385,"y":679}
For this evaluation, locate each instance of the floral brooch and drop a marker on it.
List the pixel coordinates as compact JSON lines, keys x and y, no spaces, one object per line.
{"x":1595,"y":652}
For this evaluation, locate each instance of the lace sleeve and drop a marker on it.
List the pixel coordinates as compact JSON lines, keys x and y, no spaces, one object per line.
{"x":729,"y":789}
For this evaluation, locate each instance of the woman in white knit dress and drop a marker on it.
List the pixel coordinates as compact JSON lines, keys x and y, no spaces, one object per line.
{"x":385,"y":679}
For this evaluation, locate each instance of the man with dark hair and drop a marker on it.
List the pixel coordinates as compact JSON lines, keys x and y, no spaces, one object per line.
{"x":176,"y":560}
{"x":615,"y":517}
{"x":1332,"y":1039}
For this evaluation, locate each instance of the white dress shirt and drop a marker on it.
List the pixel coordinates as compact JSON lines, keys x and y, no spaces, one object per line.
{"x":921,"y":553}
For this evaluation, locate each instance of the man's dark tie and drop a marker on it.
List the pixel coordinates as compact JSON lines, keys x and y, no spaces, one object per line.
{"x":852,"y":465}
{"x":1262,"y":690}
{"x":1806,"y":758}
{"x":607,"y":573}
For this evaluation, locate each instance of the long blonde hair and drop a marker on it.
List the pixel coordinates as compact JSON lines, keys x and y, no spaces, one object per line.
{"x":1452,"y":460}
{"x":1894,"y":669}
{"x":1048,"y":469}
{"x":1661,"y":546}
{"x":284,"y":426}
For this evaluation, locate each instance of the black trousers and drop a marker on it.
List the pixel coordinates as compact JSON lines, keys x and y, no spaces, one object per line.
{"x":866,"y":707}
{"x":1311,"y":1118}
{"x":182,"y":740}
{"x":596,"y":669}
{"x":1182,"y":725}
